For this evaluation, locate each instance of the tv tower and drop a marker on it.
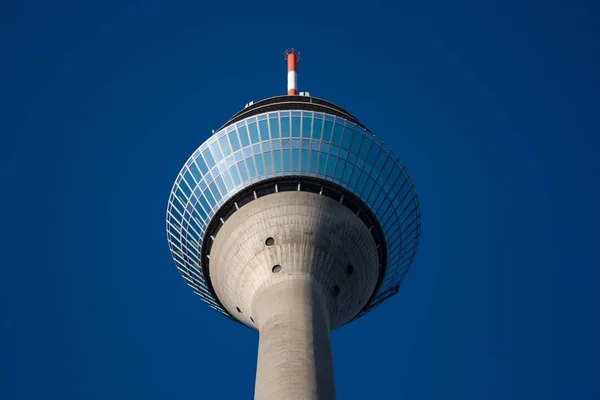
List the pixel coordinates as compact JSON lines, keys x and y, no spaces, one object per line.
{"x":293,"y":219}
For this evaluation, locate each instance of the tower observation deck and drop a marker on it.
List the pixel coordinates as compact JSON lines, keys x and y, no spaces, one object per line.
{"x":293,"y":219}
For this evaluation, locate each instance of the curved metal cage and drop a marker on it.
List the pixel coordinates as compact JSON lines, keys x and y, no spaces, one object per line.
{"x":293,"y":143}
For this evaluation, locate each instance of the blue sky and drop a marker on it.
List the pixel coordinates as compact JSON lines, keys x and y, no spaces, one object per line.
{"x":493,"y":106}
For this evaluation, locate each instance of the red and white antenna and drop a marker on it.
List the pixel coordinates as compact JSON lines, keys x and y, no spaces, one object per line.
{"x":292,"y":57}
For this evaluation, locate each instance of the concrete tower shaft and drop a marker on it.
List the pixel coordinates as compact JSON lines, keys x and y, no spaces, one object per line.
{"x":295,"y":265}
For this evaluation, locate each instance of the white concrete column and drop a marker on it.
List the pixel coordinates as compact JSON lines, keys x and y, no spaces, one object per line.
{"x":294,"y":353}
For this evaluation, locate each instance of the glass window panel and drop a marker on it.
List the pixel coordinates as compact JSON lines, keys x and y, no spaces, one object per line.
{"x":305,"y":144}
{"x":251,"y":167}
{"x":228,"y":181}
{"x":296,"y":144}
{"x":276,"y":144}
{"x":368,"y":189}
{"x":295,"y":127}
{"x":243,"y":172}
{"x":225,"y":146}
{"x":373,"y":155}
{"x":357,"y":139}
{"x":285,"y":143}
{"x":263,"y":126}
{"x":233,"y":138}
{"x":387,"y":168}
{"x":201,"y":165}
{"x":306,"y":125}
{"x":210,"y":162}
{"x":347,"y":172}
{"x":354,"y":178}
{"x":295,"y":160}
{"x":235,"y":175}
{"x":277,"y":160}
{"x":266,"y":146}
{"x":330,"y":166}
{"x":381,"y":158}
{"x":215,"y":192}
{"x":221,"y":185}
{"x":195,"y":172}
{"x":243,"y":132}
{"x":305,"y":159}
{"x":216,"y":150}
{"x":327,"y":128}
{"x":317,"y":128}
{"x":185,"y":189}
{"x":314,"y":158}
{"x":268,"y":158}
{"x":187,"y":177}
{"x":338,"y":129}
{"x":347,"y":139}
{"x":322,"y":162}
{"x":274,"y":125}
{"x":253,"y":132}
{"x":339,"y":169}
{"x":362,"y":180}
{"x":285,"y":126}
{"x":364,"y":150}
{"x":177,"y":204}
{"x":286,"y":159}
{"x":209,"y":197}
{"x":259,"y":164}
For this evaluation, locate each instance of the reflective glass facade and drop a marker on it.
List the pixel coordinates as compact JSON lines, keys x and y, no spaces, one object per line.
{"x":292,"y":143}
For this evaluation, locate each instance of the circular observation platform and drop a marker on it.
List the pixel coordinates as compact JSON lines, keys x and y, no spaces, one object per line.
{"x":293,"y":143}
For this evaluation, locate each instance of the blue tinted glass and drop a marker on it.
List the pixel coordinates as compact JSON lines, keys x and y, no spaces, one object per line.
{"x":201,"y":165}
{"x":233,"y":138}
{"x":317,"y":128}
{"x":268,"y":158}
{"x":251,"y":168}
{"x":253,"y":132}
{"x":354,"y":178}
{"x":187,"y":177}
{"x":216,"y":150}
{"x":264,"y":129}
{"x":305,"y":156}
{"x":368,"y":189}
{"x":373,"y":155}
{"x":314,"y":158}
{"x":185,"y":189}
{"x":295,"y":127}
{"x":322,"y":162}
{"x":259,"y":164}
{"x":387,"y":168}
{"x":347,"y":139}
{"x":338,"y":128}
{"x":339,"y":169}
{"x":356,"y":141}
{"x":274,"y":125}
{"x":285,"y":143}
{"x":364,"y":150}
{"x":306,"y":125}
{"x":195,"y":172}
{"x":277,"y":160}
{"x":347,"y":172}
{"x":209,"y":197}
{"x":285,"y":126}
{"x":327,"y":131}
{"x":296,"y":160}
{"x":210,"y":162}
{"x":221,"y":185}
{"x":228,"y":181}
{"x":243,"y":136}
{"x":235,"y":175}
{"x":381,"y":158}
{"x":330,"y":165}
{"x":362,"y":180}
{"x":225,"y":146}
{"x":215,"y":192}
{"x":286,"y":159}
{"x":243,"y":172}
{"x":266,"y":146}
